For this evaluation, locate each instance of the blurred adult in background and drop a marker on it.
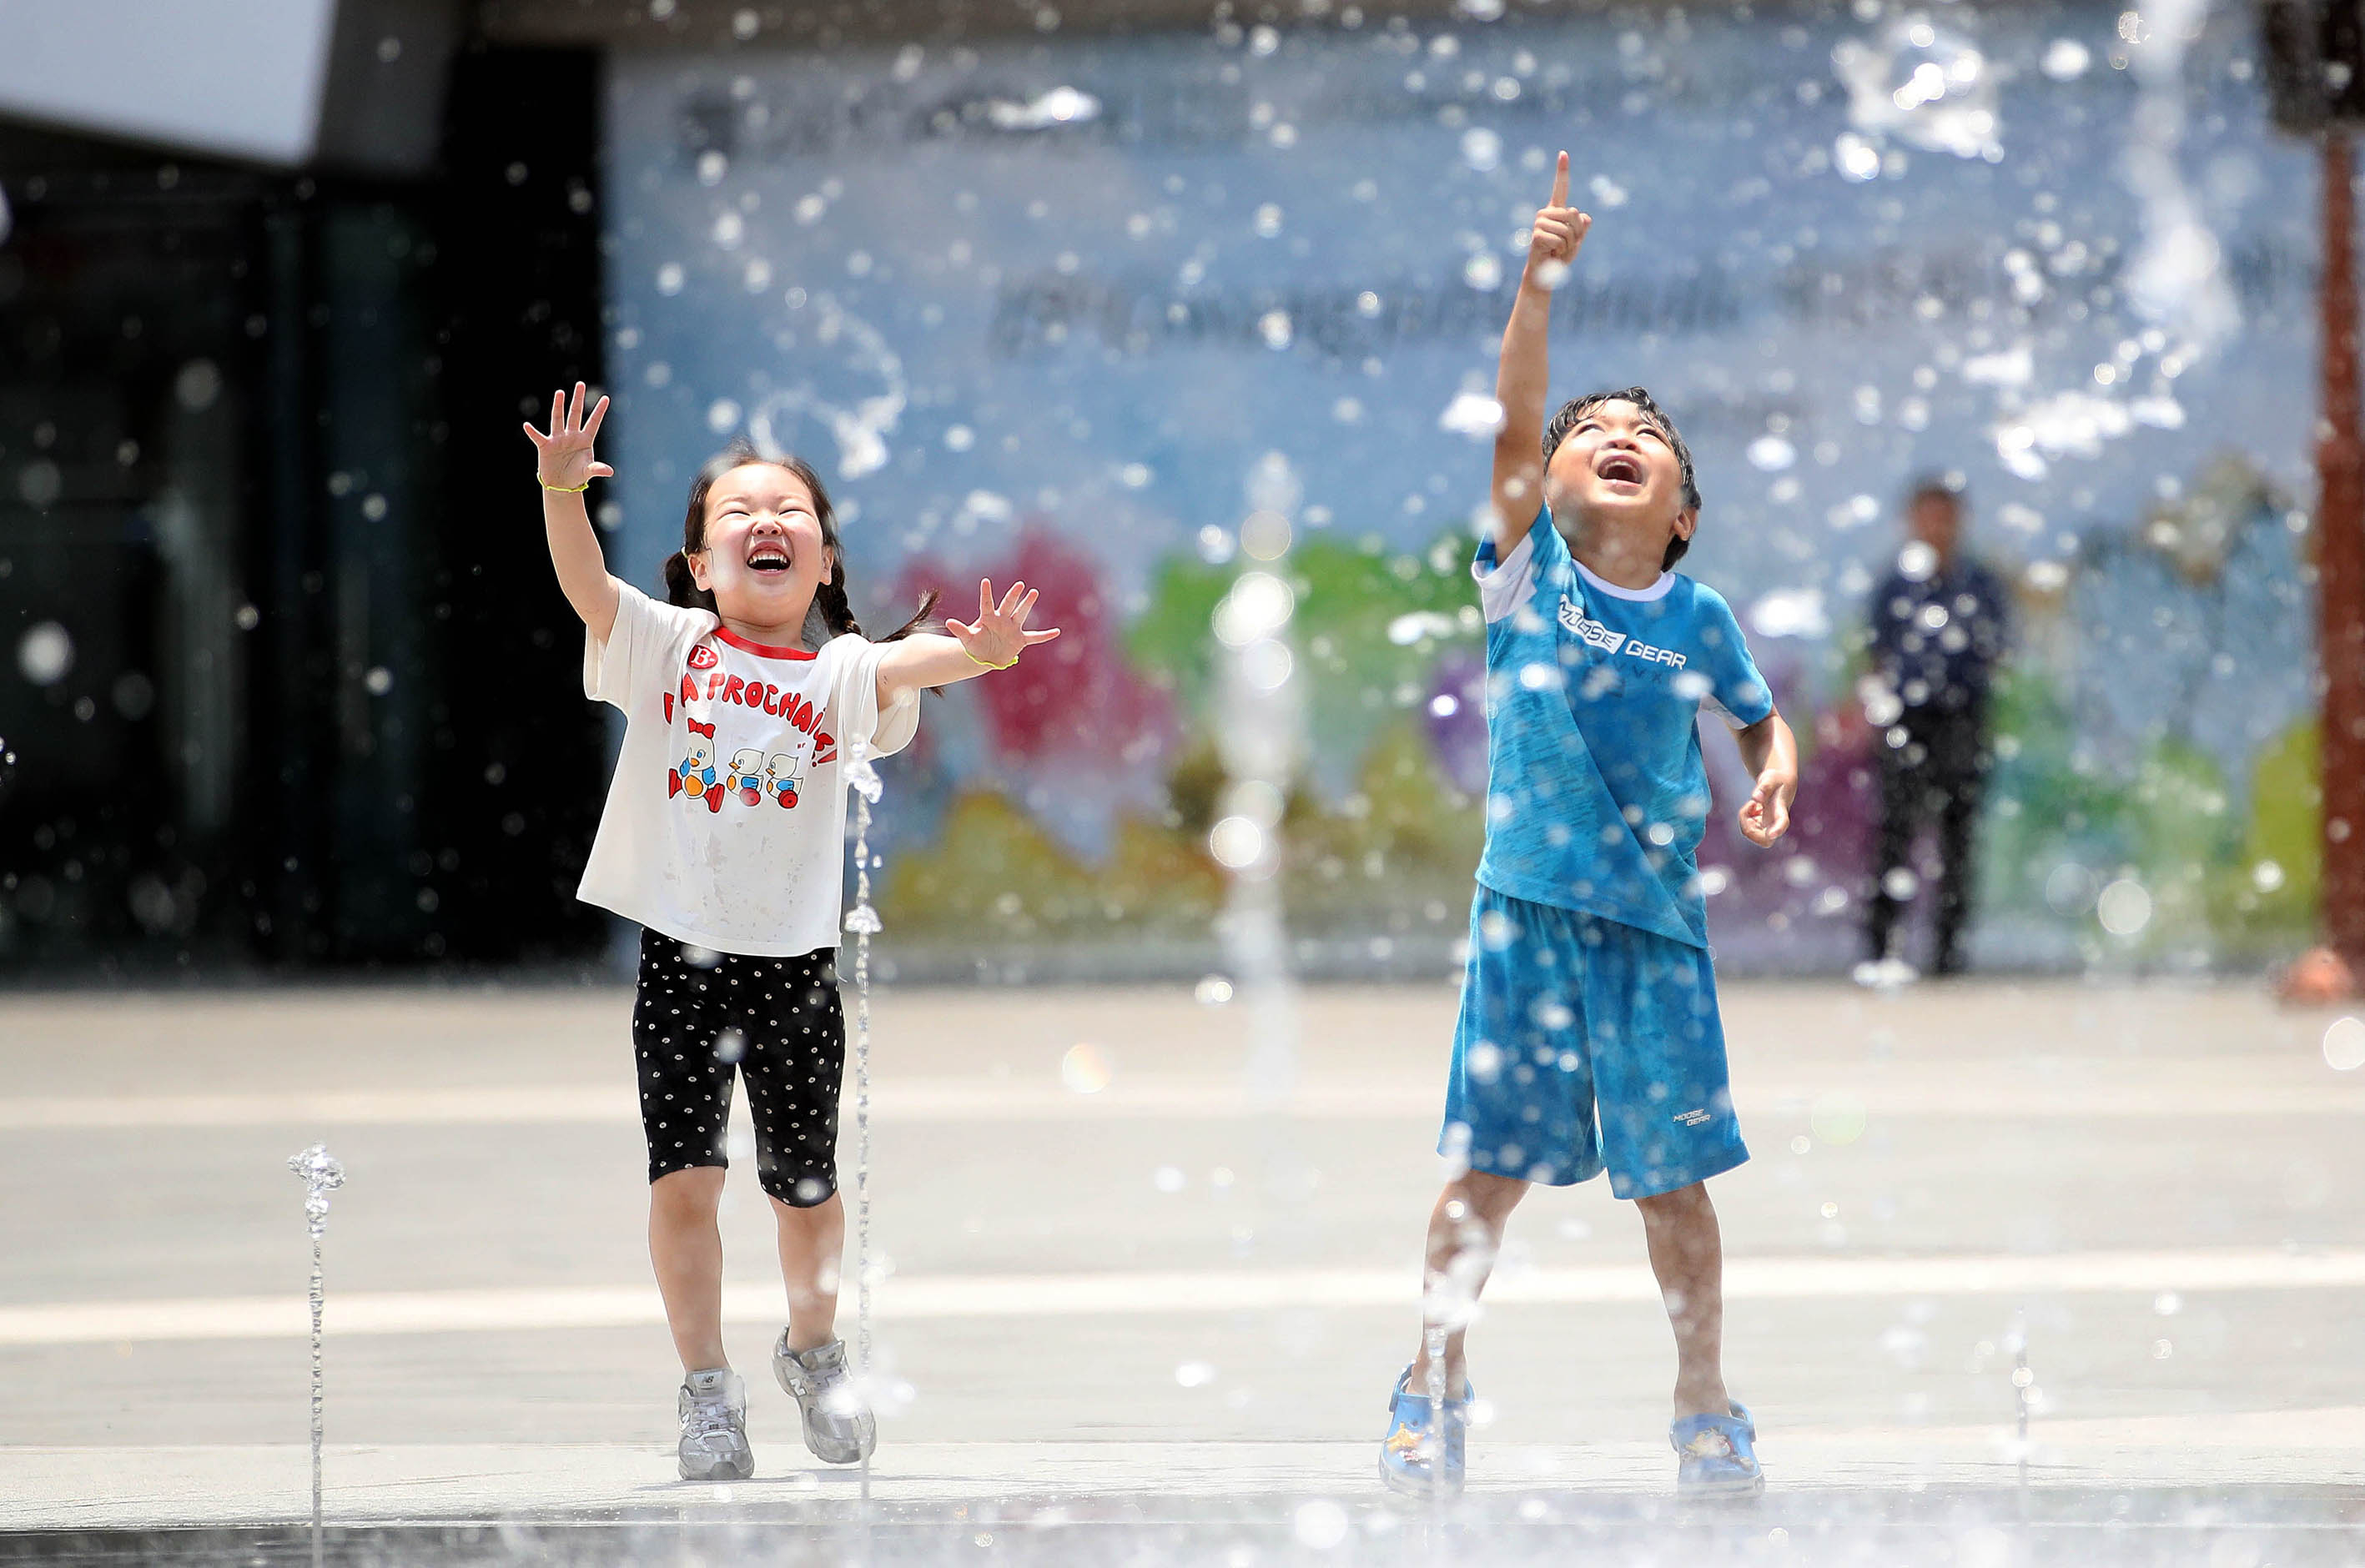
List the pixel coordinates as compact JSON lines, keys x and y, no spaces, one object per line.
{"x":1938,"y":631}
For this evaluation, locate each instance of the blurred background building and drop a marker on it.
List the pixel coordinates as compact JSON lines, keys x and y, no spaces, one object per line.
{"x":1121,"y":298}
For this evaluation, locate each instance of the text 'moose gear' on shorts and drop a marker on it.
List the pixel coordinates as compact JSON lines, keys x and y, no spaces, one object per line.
{"x":1586,"y":1044}
{"x":700,"y":1018}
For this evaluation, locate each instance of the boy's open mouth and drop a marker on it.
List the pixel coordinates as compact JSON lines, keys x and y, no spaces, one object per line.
{"x":1619,"y":468}
{"x":768,"y":555}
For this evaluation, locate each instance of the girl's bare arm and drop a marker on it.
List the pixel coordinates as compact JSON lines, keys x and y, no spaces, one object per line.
{"x":993,"y":640}
{"x":566,"y":466}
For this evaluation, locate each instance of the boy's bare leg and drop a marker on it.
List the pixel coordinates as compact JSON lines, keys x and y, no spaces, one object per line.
{"x":1688,"y":1255}
{"x":813,"y":1251}
{"x":686,"y":1246}
{"x":1465,"y":1231}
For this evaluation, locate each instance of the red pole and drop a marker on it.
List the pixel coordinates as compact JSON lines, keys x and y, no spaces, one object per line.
{"x":2340,"y":573}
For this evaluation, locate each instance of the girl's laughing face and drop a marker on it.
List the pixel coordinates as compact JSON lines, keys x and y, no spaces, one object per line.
{"x":764,"y":554}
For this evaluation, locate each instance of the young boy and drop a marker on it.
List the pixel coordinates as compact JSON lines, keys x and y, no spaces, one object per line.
{"x":1590,"y":992}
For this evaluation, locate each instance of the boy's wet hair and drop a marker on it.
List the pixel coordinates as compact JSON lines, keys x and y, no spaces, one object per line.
{"x":1577,"y":408}
{"x":830,"y":615}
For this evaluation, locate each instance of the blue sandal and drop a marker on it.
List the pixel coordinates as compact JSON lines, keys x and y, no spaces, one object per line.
{"x":1405,"y":1453}
{"x":1719,"y":1455}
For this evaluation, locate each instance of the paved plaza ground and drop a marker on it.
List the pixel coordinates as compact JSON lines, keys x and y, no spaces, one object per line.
{"x":1125,"y":1309}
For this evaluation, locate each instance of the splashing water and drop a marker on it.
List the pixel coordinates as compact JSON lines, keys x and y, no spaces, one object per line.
{"x":863,"y":920}
{"x":322,"y":1175}
{"x":1927,"y":86}
{"x":2176,"y":278}
{"x":1261,"y":747}
{"x":860,"y":428}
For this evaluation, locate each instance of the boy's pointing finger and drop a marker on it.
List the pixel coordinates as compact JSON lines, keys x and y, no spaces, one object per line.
{"x":1560,"y":183}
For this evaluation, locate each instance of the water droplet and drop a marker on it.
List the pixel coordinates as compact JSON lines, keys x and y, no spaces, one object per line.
{"x":1168,"y":1178}
{"x":1084,"y":1069}
{"x":2344,"y":1045}
{"x":1265,"y":536}
{"x":1471,"y":414}
{"x":1320,"y":1524}
{"x":1481,"y":149}
{"x":2124,"y":908}
{"x":2065,"y":59}
{"x":1258,"y":605}
{"x":1856,"y":158}
{"x":1195,"y":1374}
{"x":40,"y":482}
{"x":1838,"y":1117}
{"x":1771,"y":454}
{"x":1236,"y":842}
{"x":45,"y":652}
{"x":378,"y":682}
{"x":197,"y":386}
{"x":1212,"y":992}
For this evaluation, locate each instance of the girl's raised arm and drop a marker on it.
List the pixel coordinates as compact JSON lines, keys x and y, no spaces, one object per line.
{"x":1523,"y":381}
{"x":993,"y":641}
{"x":567,"y":468}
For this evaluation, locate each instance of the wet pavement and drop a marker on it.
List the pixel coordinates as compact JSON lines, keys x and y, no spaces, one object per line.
{"x":1157,"y":1320}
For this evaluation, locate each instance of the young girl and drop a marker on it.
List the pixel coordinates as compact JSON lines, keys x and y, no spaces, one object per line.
{"x":725,"y":837}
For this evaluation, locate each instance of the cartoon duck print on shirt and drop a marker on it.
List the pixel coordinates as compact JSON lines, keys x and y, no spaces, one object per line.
{"x":746,"y":780}
{"x":694,"y":774}
{"x":781,"y":779}
{"x":754,"y":773}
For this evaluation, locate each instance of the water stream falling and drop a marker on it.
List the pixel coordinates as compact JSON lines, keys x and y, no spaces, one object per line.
{"x":2024,"y":1399}
{"x":1263,"y":745}
{"x":863,"y":920}
{"x":322,"y":1175}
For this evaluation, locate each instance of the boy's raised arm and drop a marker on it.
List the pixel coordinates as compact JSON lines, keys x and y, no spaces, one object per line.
{"x":1523,"y":383}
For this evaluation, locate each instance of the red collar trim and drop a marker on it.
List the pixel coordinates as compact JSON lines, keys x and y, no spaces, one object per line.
{"x":762,"y":650}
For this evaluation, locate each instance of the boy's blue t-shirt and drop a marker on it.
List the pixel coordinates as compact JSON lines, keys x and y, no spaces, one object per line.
{"x":1595,"y":792}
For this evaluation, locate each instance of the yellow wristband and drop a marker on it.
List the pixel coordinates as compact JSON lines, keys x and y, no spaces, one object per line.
{"x":988,"y":663}
{"x":566,"y":489}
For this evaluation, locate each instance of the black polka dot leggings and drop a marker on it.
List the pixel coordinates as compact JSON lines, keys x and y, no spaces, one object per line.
{"x":701,"y":1017}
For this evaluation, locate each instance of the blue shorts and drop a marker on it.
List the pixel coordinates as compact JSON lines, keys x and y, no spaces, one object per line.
{"x":1585,"y":1044}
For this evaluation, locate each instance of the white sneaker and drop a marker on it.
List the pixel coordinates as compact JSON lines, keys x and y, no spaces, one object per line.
{"x":714,"y":1408}
{"x":839,"y":1428}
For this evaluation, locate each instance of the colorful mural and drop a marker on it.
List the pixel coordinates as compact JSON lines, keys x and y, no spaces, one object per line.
{"x":1155,"y":284}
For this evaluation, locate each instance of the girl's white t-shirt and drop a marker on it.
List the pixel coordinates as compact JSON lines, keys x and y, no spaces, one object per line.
{"x":725,"y":821}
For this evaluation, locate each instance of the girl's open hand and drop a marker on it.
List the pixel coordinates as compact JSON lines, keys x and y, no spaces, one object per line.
{"x":999,"y":633}
{"x":565,"y":460}
{"x":1558,"y":233}
{"x":1766,"y":816}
